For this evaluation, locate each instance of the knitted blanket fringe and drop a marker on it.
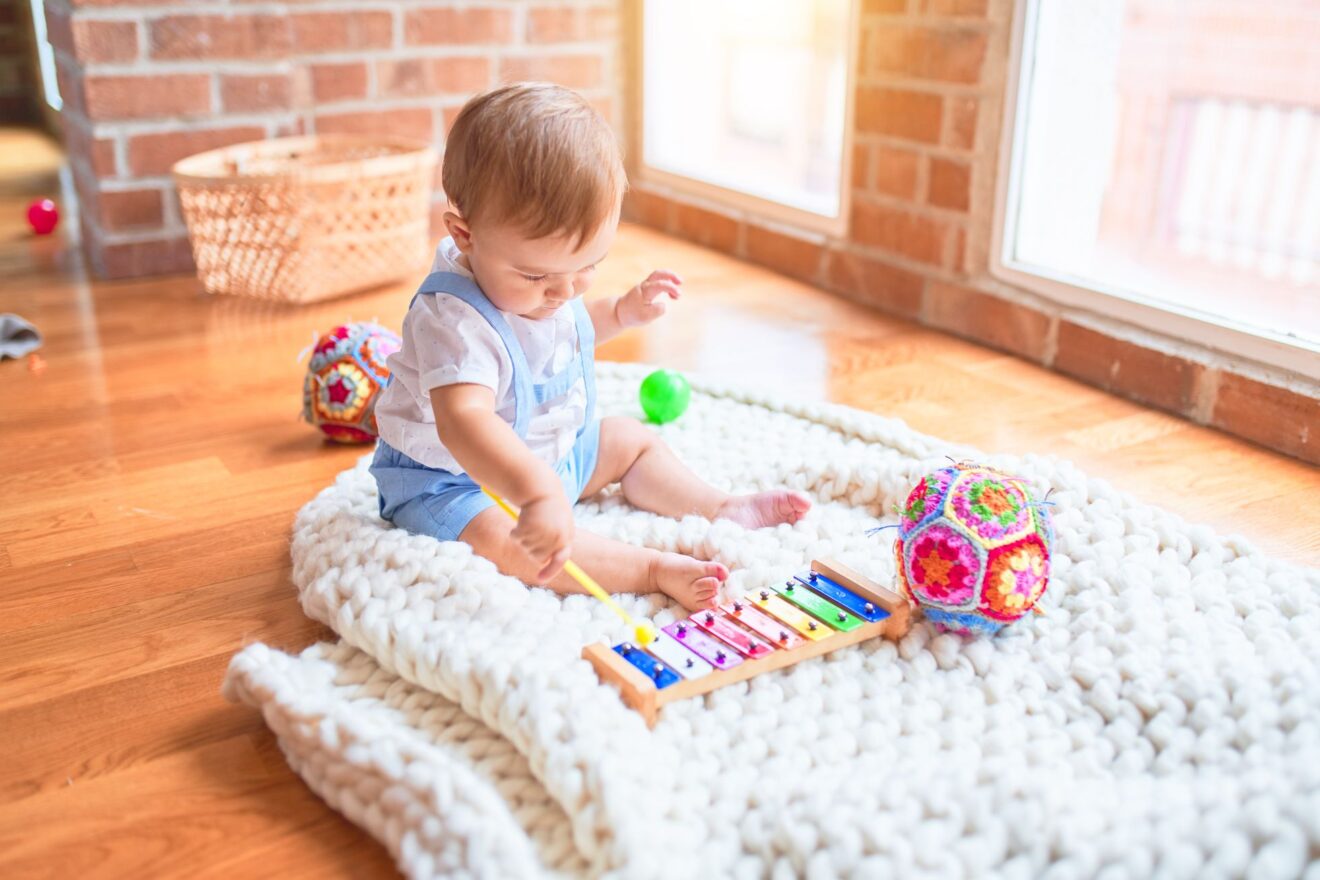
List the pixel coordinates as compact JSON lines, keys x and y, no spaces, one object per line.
{"x":1164,"y":719}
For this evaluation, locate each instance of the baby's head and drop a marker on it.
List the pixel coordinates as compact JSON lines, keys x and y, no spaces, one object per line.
{"x":534,"y":179}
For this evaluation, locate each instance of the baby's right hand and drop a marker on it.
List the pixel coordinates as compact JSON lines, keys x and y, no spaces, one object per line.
{"x":545,"y":531}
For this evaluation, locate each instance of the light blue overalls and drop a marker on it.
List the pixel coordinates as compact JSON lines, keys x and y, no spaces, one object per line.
{"x":429,"y":501}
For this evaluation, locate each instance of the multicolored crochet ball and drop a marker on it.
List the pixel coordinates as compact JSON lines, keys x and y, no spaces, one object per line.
{"x":973,"y":548}
{"x":344,"y":378}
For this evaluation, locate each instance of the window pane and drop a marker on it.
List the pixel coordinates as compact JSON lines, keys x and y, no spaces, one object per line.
{"x":1171,"y":153}
{"x":46,"y":57}
{"x":748,"y":95}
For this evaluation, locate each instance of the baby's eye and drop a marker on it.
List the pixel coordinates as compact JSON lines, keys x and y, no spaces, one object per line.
{"x":532,"y":277}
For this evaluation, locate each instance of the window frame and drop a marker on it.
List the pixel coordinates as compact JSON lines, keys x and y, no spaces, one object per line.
{"x":754,"y":207}
{"x":46,"y":64}
{"x":1072,"y":292}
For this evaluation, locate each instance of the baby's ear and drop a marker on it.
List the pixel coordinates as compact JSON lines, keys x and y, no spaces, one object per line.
{"x":459,"y":230}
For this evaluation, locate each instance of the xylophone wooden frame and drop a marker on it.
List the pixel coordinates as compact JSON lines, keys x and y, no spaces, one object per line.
{"x":640,"y":692}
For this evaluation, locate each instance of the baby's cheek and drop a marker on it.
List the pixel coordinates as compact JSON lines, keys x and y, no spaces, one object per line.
{"x":516,"y":299}
{"x":582,"y":281}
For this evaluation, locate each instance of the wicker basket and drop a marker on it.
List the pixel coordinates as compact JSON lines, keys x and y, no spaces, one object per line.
{"x":307,"y":218}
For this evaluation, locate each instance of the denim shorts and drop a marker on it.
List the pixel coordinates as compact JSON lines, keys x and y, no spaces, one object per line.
{"x":429,"y":501}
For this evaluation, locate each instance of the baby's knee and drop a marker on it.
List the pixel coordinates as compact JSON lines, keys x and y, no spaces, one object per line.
{"x":627,"y":433}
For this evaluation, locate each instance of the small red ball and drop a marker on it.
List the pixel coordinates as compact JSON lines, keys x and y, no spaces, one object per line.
{"x":43,"y":216}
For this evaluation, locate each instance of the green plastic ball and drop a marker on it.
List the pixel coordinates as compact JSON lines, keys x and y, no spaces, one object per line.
{"x":665,"y":395}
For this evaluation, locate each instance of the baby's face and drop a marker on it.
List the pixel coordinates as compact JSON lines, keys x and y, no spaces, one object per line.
{"x":534,"y":277}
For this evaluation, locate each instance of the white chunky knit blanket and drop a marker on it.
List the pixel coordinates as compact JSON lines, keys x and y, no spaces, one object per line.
{"x":1163,"y":720}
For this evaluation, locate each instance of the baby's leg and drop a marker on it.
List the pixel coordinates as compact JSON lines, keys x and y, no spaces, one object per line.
{"x":617,"y":567}
{"x":654,"y":479}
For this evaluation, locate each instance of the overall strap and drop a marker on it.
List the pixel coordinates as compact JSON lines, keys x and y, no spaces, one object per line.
{"x":466,"y":289}
{"x":586,"y":332}
{"x":559,"y":384}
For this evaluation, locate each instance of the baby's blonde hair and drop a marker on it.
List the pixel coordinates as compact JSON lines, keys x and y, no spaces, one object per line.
{"x":536,"y":155}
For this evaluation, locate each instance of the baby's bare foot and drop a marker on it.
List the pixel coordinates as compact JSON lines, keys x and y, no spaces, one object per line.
{"x":765,"y":508}
{"x":694,"y":584}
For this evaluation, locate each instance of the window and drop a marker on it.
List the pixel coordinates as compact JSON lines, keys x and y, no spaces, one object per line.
{"x":749,"y":97}
{"x":46,"y":57}
{"x":1164,"y":166}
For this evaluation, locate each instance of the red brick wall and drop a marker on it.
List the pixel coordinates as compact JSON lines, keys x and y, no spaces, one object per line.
{"x":928,"y":108}
{"x":147,"y":82}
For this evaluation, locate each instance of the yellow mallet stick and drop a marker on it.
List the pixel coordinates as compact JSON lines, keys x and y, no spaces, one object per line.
{"x":643,"y":632}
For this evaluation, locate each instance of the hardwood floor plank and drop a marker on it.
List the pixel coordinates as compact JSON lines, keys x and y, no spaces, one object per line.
{"x":106,"y":492}
{"x":98,"y":647}
{"x":107,"y":730}
{"x":163,"y":819}
{"x":151,"y":512}
{"x":1117,"y":434}
{"x":32,"y":595}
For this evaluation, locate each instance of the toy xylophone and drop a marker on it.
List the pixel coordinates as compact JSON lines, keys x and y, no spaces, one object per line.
{"x":810,"y":614}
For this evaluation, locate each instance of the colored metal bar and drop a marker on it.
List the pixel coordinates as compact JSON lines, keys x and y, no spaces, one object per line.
{"x":715,"y":623}
{"x":715,"y":652}
{"x":781,"y":635}
{"x":679,"y":658}
{"x":818,"y":606}
{"x":841,"y":595}
{"x":652,"y":668}
{"x":770,"y":602}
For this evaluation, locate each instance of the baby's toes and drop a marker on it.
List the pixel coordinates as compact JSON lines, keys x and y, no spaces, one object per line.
{"x":793,"y":506}
{"x":715,"y":570}
{"x":707,"y":586}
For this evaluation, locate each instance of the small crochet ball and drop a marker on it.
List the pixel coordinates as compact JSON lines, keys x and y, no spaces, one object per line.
{"x":344,"y":378}
{"x":973,"y":548}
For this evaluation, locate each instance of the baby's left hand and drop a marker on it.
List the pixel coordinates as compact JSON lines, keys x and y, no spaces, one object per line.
{"x":647,"y":301}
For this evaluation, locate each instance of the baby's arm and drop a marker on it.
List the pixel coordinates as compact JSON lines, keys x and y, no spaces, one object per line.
{"x":494,"y":456}
{"x":641,"y":305}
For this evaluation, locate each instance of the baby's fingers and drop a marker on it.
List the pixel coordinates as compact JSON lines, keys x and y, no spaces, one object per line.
{"x":652,"y":290}
{"x":664,"y":275}
{"x":537,"y":545}
{"x":542,"y":546}
{"x":553,"y":566}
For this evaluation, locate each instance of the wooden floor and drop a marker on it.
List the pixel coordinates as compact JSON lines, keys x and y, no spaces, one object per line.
{"x":152,"y":470}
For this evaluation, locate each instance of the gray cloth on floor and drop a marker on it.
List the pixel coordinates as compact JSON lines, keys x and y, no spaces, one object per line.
{"x":17,"y":337}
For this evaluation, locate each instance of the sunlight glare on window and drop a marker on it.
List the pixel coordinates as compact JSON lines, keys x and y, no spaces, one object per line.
{"x":1169,"y":153}
{"x":748,"y":95}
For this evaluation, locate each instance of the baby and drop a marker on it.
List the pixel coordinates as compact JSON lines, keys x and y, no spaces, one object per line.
{"x":494,"y":385}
